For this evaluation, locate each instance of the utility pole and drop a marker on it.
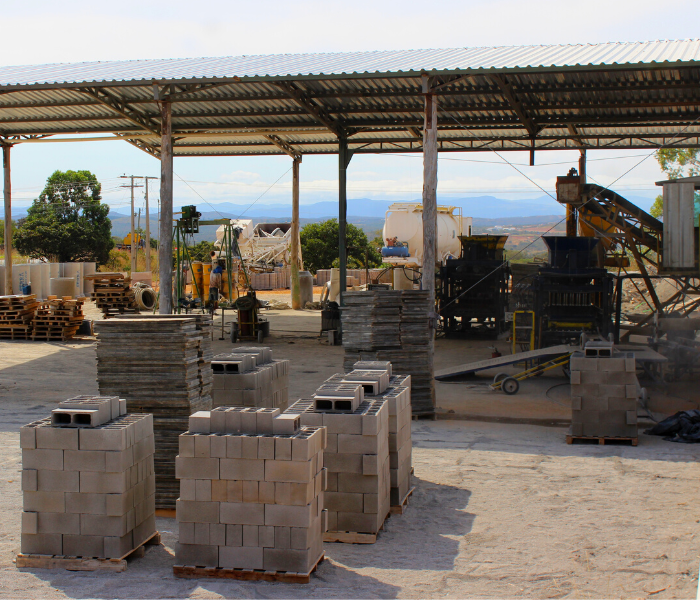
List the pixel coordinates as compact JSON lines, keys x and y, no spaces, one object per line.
{"x":134,"y":251}
{"x":148,"y":227}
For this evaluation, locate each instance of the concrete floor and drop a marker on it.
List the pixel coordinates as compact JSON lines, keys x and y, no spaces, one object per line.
{"x":502,"y":507}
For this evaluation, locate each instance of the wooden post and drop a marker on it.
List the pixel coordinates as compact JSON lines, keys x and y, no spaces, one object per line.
{"x":147,"y":249}
{"x":296,"y":291}
{"x":343,"y":160}
{"x":7,"y":193}
{"x":134,"y":248}
{"x":430,"y":155}
{"x":165,"y":247}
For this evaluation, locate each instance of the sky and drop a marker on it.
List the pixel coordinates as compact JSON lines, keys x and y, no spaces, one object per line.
{"x":71,"y":31}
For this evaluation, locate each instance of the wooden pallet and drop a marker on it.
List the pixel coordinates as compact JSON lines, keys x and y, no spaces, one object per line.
{"x":570,"y":439}
{"x":401,"y":508}
{"x":83,"y":563}
{"x":429,"y":416}
{"x":352,"y":537}
{"x":188,"y":572}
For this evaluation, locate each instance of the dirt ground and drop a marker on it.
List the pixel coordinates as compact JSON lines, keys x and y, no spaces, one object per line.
{"x":503,"y":507}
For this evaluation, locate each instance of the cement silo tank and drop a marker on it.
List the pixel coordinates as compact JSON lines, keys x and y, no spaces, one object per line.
{"x":37,"y":281}
{"x":404,"y":221}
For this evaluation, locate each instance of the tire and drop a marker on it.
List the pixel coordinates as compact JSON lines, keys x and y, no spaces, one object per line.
{"x":510,"y":386}
{"x":499,"y":377}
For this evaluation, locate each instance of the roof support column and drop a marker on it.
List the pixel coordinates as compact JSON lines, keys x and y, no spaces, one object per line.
{"x":571,"y":212}
{"x":295,"y":262}
{"x":344,"y":156}
{"x":165,"y":245}
{"x":430,"y":180}
{"x":7,"y":194}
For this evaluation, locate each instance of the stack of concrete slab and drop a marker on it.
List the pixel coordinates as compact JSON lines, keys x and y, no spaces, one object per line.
{"x":357,"y":456}
{"x":160,"y":365}
{"x":604,"y":392}
{"x":411,"y":355}
{"x":251,"y":497}
{"x":249,"y":376}
{"x":88,"y":480}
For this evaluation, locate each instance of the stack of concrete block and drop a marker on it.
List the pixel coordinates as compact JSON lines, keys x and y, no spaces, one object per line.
{"x":398,"y":397}
{"x":87,"y":480}
{"x":604,"y":392}
{"x":161,"y":365}
{"x":357,"y":455}
{"x":249,"y":376}
{"x":251,"y":497}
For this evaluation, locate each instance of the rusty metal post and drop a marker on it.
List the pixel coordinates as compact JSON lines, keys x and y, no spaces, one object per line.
{"x":296,"y":290}
{"x":7,"y":193}
{"x":165,"y":246}
{"x":430,"y":156}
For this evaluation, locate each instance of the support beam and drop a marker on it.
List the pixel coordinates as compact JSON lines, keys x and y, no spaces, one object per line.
{"x":122,"y":108}
{"x":165,"y":246}
{"x":312,"y":107}
{"x":284,"y":146}
{"x":430,"y":179}
{"x":344,"y":156}
{"x":294,"y":258}
{"x":515,"y":104}
{"x":7,"y":194}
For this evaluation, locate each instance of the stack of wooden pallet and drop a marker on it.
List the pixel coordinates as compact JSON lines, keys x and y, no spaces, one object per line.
{"x":366,"y":320}
{"x":16,"y":316}
{"x":58,"y":319}
{"x":113,"y":294}
{"x":161,"y":364}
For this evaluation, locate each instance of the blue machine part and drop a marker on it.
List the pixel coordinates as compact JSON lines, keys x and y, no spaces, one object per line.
{"x":400,"y":251}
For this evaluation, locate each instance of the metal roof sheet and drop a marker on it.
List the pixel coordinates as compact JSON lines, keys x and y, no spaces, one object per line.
{"x":356,"y":63}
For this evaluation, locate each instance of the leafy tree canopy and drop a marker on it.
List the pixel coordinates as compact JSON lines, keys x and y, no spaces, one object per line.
{"x":2,"y":231}
{"x":676,"y":163}
{"x":319,"y":246}
{"x":68,"y":221}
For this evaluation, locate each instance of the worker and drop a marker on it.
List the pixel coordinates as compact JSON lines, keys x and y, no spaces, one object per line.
{"x":215,"y":285}
{"x":214,"y":260}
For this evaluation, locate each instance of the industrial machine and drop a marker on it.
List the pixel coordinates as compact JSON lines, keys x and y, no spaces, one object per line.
{"x":250,"y":326}
{"x":475,"y":287}
{"x":572,"y":295}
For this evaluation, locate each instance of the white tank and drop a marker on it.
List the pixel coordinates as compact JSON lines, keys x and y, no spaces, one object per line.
{"x":37,"y":281}
{"x":89,"y":268}
{"x":62,"y":286}
{"x":46,"y":279}
{"x":20,"y":278}
{"x":404,"y":221}
{"x":74,"y":270}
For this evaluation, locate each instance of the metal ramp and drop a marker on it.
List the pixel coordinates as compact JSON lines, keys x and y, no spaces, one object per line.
{"x":502,"y":361}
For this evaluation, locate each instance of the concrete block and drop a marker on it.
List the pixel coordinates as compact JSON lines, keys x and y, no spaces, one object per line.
{"x":202,"y":446}
{"x":599,"y":403}
{"x":116,"y":547}
{"x":358,"y":444}
{"x":233,"y":421}
{"x":196,"y":556}
{"x":56,"y":438}
{"x":234,"y":535}
{"x":299,"y":561}
{"x":103,"y":483}
{"x":217,"y":421}
{"x":631,"y":391}
{"x":370,"y":503}
{"x":30,"y":523}
{"x":27,"y":437}
{"x":288,"y":471}
{"x":576,"y":402}
{"x":288,"y":516}
{"x":264,"y":420}
{"x":202,"y":490}
{"x":197,"y":512}
{"x":234,"y":491}
{"x":42,"y":544}
{"x":266,"y":447}
{"x":612,"y":365}
{"x":250,"y":491}
{"x":343,"y":423}
{"x":622,"y":404}
{"x":53,"y":502}
{"x":188,"y":489}
{"x":242,"y":469}
{"x":218,"y":446}
{"x":233,"y":446}
{"x":201,"y":534}
{"x":30,"y":480}
{"x":58,"y":523}
{"x":351,"y":482}
{"x":332,"y":445}
{"x":186,"y":445}
{"x":249,"y":422}
{"x":84,"y":460}
{"x":631,"y":417}
{"x":286,"y":424}
{"x":612,"y":390}
{"x":186,"y":533}
{"x":283,"y":448}
{"x":117,"y":505}
{"x":58,"y":481}
{"x":630,"y":365}
{"x":343,"y":501}
{"x":575,"y":377}
{"x":198,"y":468}
{"x":233,"y":557}
{"x":343,"y":463}
{"x":359,"y":522}
{"x":242,"y":514}
{"x":116,"y":462}
{"x":585,"y":390}
{"x":108,"y":437}
{"x":301,"y":494}
{"x":106,"y":526}
{"x":86,"y":546}
{"x":266,"y":492}
{"x":217,"y":534}
{"x":249,"y":446}
{"x":283,"y":493}
{"x":250,"y":536}
{"x":200,"y":422}
{"x":580,"y":363}
{"x":370,"y":464}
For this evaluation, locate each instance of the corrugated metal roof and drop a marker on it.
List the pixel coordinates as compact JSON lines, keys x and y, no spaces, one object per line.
{"x":356,"y":63}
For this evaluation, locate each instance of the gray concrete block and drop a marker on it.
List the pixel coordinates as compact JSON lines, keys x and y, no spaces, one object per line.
{"x":301,"y":494}
{"x":52,"y":522}
{"x":217,"y":534}
{"x":186,"y":445}
{"x":242,"y":469}
{"x":42,"y":544}
{"x":233,"y":557}
{"x":343,"y":463}
{"x":266,"y":492}
{"x":295,"y":561}
{"x":30,"y":523}
{"x":201,"y":534}
{"x":249,"y":446}
{"x":217,"y":421}
{"x":343,"y":423}
{"x":370,"y":464}
{"x":233,"y":446}
{"x":289,"y":516}
{"x":188,"y":489}
{"x":250,"y":491}
{"x":117,"y":547}
{"x":118,"y":461}
{"x":84,"y":460}
{"x":200,"y":422}
{"x":344,"y":501}
{"x":87,"y":546}
{"x":106,"y":526}
{"x":197,"y":512}
{"x":235,"y":513}
{"x":196,"y":556}
{"x":266,"y":447}
{"x":250,"y":536}
{"x":234,"y":535}
{"x":186,"y":532}
{"x":359,"y":523}
{"x":283,"y":448}
{"x":108,"y":437}
{"x":58,"y":481}
{"x":27,"y":437}
{"x":202,"y":490}
{"x":29,"y":480}
{"x":288,"y":471}
{"x":218,"y":446}
{"x":198,"y":468}
{"x":56,"y":438}
{"x":286,"y":424}
{"x":202,"y":446}
{"x":53,"y":502}
{"x":103,"y":483}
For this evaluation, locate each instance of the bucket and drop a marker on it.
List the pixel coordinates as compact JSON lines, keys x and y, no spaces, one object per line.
{"x":205,"y":279}
{"x":198,"y":278}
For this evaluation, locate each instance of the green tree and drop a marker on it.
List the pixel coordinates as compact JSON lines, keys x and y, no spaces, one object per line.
{"x":67,"y":222}
{"x":2,"y":231}
{"x":319,"y":246}
{"x":676,"y":163}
